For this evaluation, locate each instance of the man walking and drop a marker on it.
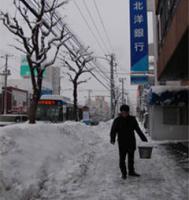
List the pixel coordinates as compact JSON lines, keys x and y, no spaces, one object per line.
{"x":123,"y":127}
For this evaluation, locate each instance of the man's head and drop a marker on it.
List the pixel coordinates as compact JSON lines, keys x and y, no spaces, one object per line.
{"x":124,"y":110}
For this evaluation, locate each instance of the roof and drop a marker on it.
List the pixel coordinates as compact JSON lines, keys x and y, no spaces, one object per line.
{"x":55,"y":97}
{"x":162,"y":88}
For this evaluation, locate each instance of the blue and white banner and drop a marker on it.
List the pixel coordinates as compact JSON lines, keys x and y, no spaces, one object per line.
{"x":139,"y":79}
{"x":139,"y":36}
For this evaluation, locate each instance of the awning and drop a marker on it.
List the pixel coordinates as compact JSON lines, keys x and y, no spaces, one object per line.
{"x":168,"y":95}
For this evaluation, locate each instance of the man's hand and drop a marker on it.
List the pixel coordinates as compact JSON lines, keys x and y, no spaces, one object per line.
{"x":112,"y":142}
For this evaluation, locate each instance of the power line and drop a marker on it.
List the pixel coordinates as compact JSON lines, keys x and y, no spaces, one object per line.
{"x":83,"y":17}
{"x":74,"y":39}
{"x":94,"y":24}
{"x":104,"y":74}
{"x":90,"y":63}
{"x":101,"y":20}
{"x":99,"y":80}
{"x":100,"y":72}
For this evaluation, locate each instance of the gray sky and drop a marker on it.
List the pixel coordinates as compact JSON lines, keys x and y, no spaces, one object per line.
{"x":115,"y":15}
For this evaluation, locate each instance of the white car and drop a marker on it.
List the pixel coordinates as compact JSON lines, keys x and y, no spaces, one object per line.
{"x":7,"y":119}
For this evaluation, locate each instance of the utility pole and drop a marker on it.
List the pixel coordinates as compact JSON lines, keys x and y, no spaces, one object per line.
{"x":111,"y":60}
{"x":122,"y":86}
{"x":112,"y":85}
{"x":5,"y":73}
{"x":89,"y":97}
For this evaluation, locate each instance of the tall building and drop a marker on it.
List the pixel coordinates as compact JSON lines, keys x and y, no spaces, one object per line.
{"x":53,"y":76}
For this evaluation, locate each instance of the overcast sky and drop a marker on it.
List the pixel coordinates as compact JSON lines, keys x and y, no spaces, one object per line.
{"x":115,"y":16}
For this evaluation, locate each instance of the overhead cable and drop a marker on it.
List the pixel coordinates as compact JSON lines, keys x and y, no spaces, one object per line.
{"x":83,"y":17}
{"x":94,"y":24}
{"x":103,"y":25}
{"x":27,"y":4}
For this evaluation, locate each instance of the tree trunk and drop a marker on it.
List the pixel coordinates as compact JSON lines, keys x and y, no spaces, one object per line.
{"x":75,"y":102}
{"x":33,"y":109}
{"x":37,"y":84}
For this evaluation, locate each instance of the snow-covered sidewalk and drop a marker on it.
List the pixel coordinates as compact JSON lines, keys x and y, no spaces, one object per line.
{"x":72,"y":161}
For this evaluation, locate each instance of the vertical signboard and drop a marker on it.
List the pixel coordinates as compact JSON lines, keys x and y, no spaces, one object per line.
{"x":138,"y":36}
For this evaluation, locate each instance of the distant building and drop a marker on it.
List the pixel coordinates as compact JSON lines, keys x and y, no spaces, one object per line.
{"x":53,"y":76}
{"x":99,"y":108}
{"x":16,"y":101}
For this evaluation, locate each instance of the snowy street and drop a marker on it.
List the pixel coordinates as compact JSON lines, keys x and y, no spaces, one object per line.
{"x":72,"y":161}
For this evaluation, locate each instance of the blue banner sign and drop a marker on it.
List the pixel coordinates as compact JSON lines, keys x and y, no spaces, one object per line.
{"x":139,"y":79}
{"x":139,"y":36}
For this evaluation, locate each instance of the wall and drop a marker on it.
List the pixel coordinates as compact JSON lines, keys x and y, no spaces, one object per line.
{"x":174,"y":35}
{"x":160,"y":131}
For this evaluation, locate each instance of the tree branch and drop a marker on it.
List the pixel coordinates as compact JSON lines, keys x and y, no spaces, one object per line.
{"x":83,"y":81}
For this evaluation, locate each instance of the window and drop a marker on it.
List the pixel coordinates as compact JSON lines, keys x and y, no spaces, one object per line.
{"x":165,"y":12}
{"x":184,"y":115}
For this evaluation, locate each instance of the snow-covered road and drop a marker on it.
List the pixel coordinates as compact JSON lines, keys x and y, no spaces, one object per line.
{"x":72,"y":161}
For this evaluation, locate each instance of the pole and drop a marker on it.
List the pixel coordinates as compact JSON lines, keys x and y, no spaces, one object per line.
{"x":112,"y":95}
{"x":5,"y":73}
{"x":89,"y":97}
{"x":123,"y":101}
{"x":155,"y":42}
{"x":122,"y":82}
{"x":5,"y":86}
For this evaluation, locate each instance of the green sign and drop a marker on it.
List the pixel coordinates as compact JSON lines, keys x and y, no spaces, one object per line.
{"x":25,"y":69}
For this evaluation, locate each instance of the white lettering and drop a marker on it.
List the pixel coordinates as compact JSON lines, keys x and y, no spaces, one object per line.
{"x":138,"y":5}
{"x":138,"y":33}
{"x":139,"y":46}
{"x":138,"y":19}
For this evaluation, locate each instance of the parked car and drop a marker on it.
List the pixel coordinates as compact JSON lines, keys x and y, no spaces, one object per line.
{"x":8,"y":119}
{"x":90,"y":122}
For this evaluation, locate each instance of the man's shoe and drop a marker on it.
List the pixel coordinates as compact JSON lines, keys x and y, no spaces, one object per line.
{"x":134,"y":174}
{"x":124,"y":177}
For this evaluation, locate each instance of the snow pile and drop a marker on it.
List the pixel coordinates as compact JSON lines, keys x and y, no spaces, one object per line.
{"x":31,"y":154}
{"x":73,"y":161}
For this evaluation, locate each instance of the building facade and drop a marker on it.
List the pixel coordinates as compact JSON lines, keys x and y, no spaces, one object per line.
{"x":169,"y":100}
{"x":173,"y":27}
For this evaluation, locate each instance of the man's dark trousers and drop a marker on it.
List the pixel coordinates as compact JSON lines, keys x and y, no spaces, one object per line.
{"x":123,"y":152}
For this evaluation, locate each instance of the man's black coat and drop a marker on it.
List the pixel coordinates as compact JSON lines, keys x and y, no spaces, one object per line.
{"x":123,"y":128}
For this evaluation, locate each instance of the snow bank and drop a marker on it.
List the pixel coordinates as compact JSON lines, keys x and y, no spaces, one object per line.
{"x":73,"y":161}
{"x":28,"y":153}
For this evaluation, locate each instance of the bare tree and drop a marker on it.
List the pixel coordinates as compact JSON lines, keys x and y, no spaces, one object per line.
{"x":78,"y":67}
{"x":36,"y":40}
